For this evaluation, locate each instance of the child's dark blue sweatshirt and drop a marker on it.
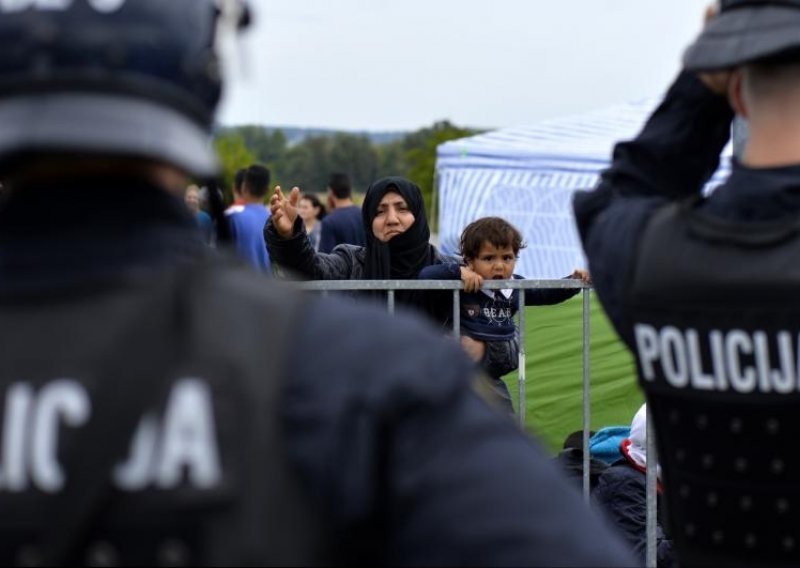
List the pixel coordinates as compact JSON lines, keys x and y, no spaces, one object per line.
{"x":487,"y":315}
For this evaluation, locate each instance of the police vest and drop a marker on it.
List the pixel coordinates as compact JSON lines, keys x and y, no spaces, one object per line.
{"x":713,"y":319}
{"x":201,"y":475}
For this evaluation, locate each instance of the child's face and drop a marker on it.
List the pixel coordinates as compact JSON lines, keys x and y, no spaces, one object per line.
{"x":494,"y":262}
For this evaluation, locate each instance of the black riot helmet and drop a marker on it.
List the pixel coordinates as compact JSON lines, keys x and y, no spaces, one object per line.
{"x":132,"y":78}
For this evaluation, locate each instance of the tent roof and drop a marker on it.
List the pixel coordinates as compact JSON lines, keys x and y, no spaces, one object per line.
{"x":581,"y":142}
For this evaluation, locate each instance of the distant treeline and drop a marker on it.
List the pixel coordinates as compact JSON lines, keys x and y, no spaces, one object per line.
{"x":296,"y":134}
{"x":306,"y":158}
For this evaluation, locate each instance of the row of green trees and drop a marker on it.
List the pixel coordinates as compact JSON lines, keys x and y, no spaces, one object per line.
{"x":308,"y":163}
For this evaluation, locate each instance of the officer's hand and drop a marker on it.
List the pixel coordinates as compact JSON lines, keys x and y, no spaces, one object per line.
{"x":475,"y":349}
{"x":717,"y":81}
{"x":284,"y":210}
{"x":711,"y":12}
{"x":581,"y":274}
{"x":471,"y":279}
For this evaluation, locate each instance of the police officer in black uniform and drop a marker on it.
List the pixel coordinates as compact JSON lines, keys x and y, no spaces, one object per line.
{"x":703,"y":289}
{"x":160,"y":404}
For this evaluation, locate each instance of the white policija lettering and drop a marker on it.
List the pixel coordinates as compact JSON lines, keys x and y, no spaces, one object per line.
{"x":187,"y":439}
{"x":732,"y":360}
{"x":184,"y":441}
{"x":30,"y":433}
{"x":104,"y":6}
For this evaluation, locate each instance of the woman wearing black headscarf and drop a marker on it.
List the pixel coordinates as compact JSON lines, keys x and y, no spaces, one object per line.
{"x":397,"y":231}
{"x":397,"y":234}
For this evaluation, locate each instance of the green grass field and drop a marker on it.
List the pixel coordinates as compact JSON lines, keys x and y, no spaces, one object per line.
{"x":554,"y":372}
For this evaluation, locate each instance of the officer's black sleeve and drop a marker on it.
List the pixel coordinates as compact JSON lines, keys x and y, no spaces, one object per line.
{"x":672,"y":158}
{"x":410,"y":466}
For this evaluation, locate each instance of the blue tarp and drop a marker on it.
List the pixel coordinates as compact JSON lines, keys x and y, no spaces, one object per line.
{"x":528,"y":175}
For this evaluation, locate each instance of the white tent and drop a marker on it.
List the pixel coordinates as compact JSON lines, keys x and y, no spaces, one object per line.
{"x":527,"y":175}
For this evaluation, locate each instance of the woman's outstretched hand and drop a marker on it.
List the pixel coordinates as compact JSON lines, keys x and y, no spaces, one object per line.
{"x":284,"y":210}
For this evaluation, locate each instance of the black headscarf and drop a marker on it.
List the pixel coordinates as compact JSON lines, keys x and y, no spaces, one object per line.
{"x":406,"y":254}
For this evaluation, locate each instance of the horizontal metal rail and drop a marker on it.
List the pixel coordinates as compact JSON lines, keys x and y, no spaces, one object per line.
{"x":339,"y":285}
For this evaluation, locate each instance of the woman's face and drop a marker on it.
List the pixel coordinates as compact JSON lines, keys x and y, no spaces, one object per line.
{"x":392,"y":218}
{"x":306,"y":210}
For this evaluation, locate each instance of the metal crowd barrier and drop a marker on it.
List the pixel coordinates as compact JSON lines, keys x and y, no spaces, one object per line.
{"x":391,"y":286}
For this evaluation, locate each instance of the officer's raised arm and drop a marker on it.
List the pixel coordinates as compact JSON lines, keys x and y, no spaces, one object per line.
{"x":678,"y":149}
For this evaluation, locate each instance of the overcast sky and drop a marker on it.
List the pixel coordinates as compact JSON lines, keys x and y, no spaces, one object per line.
{"x":403,"y":64}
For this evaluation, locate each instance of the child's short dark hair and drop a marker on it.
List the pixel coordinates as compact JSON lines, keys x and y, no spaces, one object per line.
{"x":495,"y":230}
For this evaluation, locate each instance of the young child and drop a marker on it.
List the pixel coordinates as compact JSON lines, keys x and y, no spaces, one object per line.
{"x":490,"y":247}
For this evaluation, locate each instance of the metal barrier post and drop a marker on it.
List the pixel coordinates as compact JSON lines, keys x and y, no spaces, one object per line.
{"x":587,"y":403}
{"x":651,"y":558}
{"x":456,"y":313}
{"x":390,"y":301}
{"x":521,"y":405}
